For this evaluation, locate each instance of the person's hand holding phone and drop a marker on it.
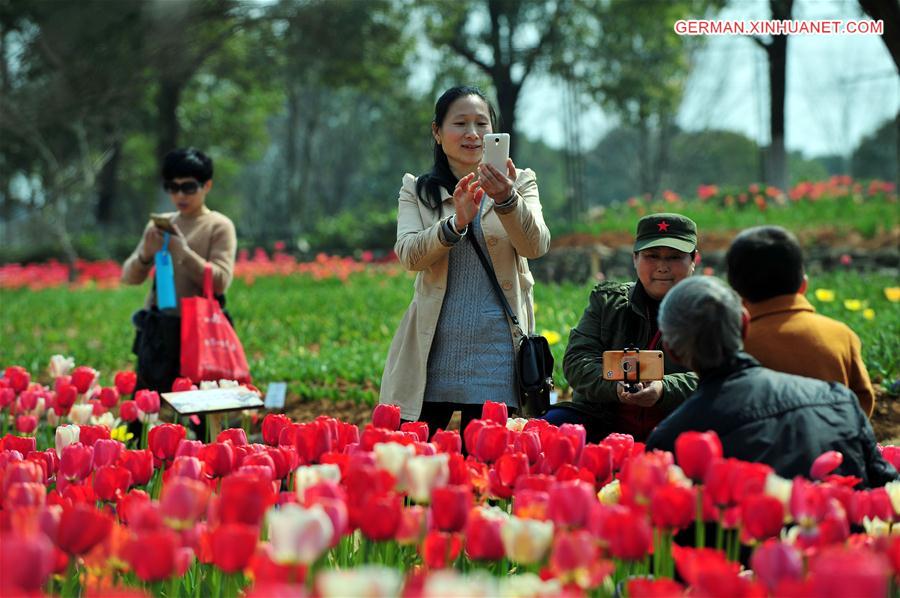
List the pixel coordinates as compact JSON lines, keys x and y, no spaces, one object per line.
{"x":152,"y":242}
{"x":647,"y":395}
{"x":177,"y":241}
{"x":467,"y":198}
{"x":497,"y":185}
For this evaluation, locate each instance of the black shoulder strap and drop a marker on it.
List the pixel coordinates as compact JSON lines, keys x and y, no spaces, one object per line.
{"x":494,"y":284}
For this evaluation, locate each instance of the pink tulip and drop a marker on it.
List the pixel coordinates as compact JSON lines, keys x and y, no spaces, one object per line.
{"x":824,"y":464}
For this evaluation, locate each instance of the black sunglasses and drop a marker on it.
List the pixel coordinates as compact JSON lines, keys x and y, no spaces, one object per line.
{"x":187,"y":188}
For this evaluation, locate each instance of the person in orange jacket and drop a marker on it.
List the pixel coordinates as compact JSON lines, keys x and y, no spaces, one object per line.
{"x":765,"y":267}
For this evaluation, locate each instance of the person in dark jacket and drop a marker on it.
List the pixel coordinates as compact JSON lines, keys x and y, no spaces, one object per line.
{"x":760,"y":415}
{"x":622,"y":315}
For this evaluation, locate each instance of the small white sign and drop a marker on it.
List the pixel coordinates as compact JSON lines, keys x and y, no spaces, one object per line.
{"x":553,"y":397}
{"x":275,"y":395}
{"x":212,"y":400}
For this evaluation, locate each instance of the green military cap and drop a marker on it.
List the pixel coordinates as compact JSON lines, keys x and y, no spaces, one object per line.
{"x":666,"y":230}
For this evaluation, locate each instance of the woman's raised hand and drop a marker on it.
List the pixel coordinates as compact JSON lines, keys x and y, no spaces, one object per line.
{"x":467,"y":200}
{"x":497,"y":185}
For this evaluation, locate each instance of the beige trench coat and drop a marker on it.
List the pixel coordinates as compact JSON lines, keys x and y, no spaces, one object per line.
{"x":512,"y":237}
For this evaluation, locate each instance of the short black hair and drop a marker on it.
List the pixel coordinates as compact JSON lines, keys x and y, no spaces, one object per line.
{"x":765,"y":262}
{"x":187,"y":162}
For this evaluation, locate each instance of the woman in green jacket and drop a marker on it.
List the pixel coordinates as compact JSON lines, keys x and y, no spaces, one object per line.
{"x":623,"y":315}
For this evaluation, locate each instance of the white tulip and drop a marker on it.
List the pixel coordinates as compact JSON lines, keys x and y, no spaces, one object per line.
{"x":310,"y":475}
{"x":60,"y":365}
{"x":610,"y":494}
{"x":780,"y":488}
{"x":107,"y":419}
{"x":527,"y":585}
{"x":516,"y":424}
{"x":392,"y":457}
{"x":424,"y":474}
{"x":372,"y":581}
{"x":893,"y":492}
{"x":526,"y":541}
{"x":81,"y":414}
{"x":447,"y":582}
{"x":208,"y":384}
{"x":298,"y":534}
{"x":66,"y":435}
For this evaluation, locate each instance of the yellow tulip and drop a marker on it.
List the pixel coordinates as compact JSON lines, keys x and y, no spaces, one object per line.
{"x":825,"y":295}
{"x":552,"y":336}
{"x":121,"y":434}
{"x":892,"y":294}
{"x":853,"y":304}
{"x":869,"y":313}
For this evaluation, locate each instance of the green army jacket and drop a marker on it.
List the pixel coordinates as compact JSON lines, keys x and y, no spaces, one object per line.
{"x":616,"y":317}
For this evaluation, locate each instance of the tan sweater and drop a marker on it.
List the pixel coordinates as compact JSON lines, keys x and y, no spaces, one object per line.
{"x":210,"y":238}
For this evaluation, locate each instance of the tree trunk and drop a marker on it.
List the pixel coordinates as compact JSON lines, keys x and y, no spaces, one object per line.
{"x":507,"y":96}
{"x":887,"y":11}
{"x":167,"y":100}
{"x":107,"y":184}
{"x":778,"y":175}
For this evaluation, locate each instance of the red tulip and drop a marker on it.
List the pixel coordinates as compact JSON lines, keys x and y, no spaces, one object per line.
{"x":17,"y":377}
{"x":22,"y":494}
{"x":626,"y":531}
{"x":440,"y":549}
{"x":574,"y":553}
{"x":559,"y":450}
{"x":447,"y":441}
{"x":621,"y":446}
{"x":495,"y":412}
{"x":673,"y":507}
{"x":528,"y":442}
{"x":774,"y":562}
{"x":450,"y":506}
{"x":839,"y":571}
{"x":107,"y":451}
{"x":420,"y":429}
{"x":82,"y":527}
{"x":182,"y":385}
{"x":890,"y":453}
{"x":26,"y":424}
{"x":109,"y":396}
{"x":139,"y":463}
{"x":88,"y":435}
{"x":695,"y":563}
{"x":183,"y":502}
{"x":597,"y":458}
{"x":76,"y":462}
{"x":483,"y":541}
{"x":642,"y":475}
{"x":272,"y":425}
{"x":570,"y":503}
{"x":382,"y":513}
{"x":233,"y":545}
{"x":28,"y":561}
{"x":531,"y":504}
{"x":244,"y":499}
{"x":824,"y":464}
{"x":763,"y":516}
{"x":22,"y":472}
{"x":152,"y":554}
{"x":654,"y":588}
{"x":491,"y":442}
{"x":218,"y":459}
{"x":237,"y":436}
{"x":128,"y":506}
{"x":386,"y":417}
{"x":125,"y":382}
{"x":111,"y":482}
{"x":184,"y":467}
{"x":695,"y":452}
{"x":21,"y":444}
{"x":83,"y":378}
{"x":128,"y":411}
{"x":65,"y":398}
{"x":7,"y":396}
{"x":164,"y":439}
{"x":147,"y":400}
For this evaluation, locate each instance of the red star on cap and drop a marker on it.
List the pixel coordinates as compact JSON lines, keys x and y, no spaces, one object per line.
{"x":663,"y":227}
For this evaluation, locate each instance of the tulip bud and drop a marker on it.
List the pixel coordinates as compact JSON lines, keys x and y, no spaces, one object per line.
{"x":423,"y":474}
{"x":386,"y":417}
{"x":66,"y":435}
{"x":125,"y":382}
{"x":298,"y":534}
{"x":526,"y":541}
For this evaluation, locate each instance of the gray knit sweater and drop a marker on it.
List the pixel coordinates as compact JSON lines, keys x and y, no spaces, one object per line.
{"x":472,"y":359}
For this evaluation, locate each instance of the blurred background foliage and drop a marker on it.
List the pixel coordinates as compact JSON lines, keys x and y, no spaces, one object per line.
{"x":308,"y":109}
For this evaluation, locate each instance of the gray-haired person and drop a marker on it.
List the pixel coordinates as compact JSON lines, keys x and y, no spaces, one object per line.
{"x":759,"y":414}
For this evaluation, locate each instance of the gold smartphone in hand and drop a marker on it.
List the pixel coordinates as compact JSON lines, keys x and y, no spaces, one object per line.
{"x":633,"y":366}
{"x":163,"y":222}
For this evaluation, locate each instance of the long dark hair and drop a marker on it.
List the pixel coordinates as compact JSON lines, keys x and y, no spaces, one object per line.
{"x":428,"y":186}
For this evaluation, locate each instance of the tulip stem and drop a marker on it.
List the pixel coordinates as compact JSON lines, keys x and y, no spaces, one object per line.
{"x":699,"y":527}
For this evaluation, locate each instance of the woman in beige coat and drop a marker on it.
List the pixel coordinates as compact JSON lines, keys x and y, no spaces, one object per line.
{"x":455,"y":347}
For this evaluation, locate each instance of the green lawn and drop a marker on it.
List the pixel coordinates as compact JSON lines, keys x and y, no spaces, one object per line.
{"x":329,"y":338}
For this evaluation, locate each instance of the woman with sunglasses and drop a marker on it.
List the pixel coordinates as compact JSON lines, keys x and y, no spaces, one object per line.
{"x":197,"y":236}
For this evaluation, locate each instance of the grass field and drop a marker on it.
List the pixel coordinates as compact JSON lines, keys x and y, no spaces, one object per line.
{"x":329,"y":338}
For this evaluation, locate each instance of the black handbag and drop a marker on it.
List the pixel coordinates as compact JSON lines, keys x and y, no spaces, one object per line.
{"x":534,"y":361}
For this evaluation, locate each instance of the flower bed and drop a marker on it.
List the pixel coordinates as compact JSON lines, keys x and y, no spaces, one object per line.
{"x":325,"y":507}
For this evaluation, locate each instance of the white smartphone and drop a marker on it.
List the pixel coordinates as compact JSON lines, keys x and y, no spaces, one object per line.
{"x":496,"y":150}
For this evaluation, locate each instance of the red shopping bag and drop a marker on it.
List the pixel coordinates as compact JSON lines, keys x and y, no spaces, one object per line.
{"x":210,"y":349}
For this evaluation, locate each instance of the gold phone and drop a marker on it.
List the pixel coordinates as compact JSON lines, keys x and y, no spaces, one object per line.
{"x":163,"y":222}
{"x":633,"y":366}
